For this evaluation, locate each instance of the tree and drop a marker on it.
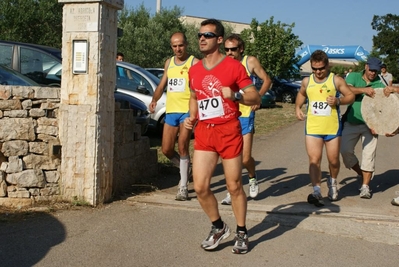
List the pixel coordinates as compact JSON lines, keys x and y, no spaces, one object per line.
{"x":146,"y":39}
{"x":274,"y":45}
{"x":31,"y":21}
{"x":386,"y":42}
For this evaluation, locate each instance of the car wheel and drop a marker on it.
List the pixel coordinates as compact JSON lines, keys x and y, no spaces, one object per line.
{"x":287,"y":97}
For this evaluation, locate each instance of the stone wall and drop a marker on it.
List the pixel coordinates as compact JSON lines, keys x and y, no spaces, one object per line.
{"x":134,"y":162}
{"x":29,"y":145}
{"x":30,"y":149}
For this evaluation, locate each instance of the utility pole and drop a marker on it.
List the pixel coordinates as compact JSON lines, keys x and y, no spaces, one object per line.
{"x":159,"y":4}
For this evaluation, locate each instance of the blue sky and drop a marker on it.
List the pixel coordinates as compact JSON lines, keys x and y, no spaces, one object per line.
{"x":338,"y":22}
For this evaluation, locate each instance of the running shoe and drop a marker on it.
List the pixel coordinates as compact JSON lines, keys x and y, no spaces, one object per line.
{"x":226,"y":200}
{"x":215,"y":236}
{"x":253,"y":187}
{"x":365,"y":192}
{"x":332,"y":189}
{"x":395,"y":201}
{"x":241,"y":243}
{"x":182,"y":194}
{"x":316,"y":199}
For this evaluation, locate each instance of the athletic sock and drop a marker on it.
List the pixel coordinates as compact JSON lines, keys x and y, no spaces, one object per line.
{"x":184,"y":164}
{"x":218,"y":223}
{"x":316,"y":189}
{"x":241,"y":229}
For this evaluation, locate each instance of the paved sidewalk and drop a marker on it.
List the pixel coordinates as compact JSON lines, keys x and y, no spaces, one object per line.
{"x":155,"y":230}
{"x":282,"y":169}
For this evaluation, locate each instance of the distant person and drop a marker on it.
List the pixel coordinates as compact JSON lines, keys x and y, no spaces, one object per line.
{"x":323,"y":127}
{"x":122,"y":72}
{"x":120,"y":56}
{"x":218,"y":84}
{"x":175,"y":78}
{"x":234,"y":47}
{"x":386,"y":76}
{"x":362,"y":85}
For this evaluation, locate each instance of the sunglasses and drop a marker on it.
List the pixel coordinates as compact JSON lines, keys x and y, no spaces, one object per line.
{"x":207,"y":35}
{"x":232,"y":49}
{"x":320,"y":69}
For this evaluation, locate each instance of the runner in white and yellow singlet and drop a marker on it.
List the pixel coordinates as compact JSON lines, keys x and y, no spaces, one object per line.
{"x":322,"y":91}
{"x":175,"y":78}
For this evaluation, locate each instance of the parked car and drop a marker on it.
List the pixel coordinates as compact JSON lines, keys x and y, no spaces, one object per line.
{"x":140,"y":110}
{"x":31,"y":60}
{"x":43,"y":64}
{"x":138,"y":82}
{"x":284,"y":90}
{"x":156,"y":71}
{"x":268,"y":100}
{"x":11,"y":77}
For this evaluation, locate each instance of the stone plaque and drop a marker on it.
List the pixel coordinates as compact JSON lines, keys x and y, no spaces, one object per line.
{"x":82,"y":18}
{"x":381,"y":113}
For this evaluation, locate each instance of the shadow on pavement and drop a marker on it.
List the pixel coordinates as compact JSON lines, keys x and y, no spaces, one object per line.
{"x":284,"y":218}
{"x":26,"y":241}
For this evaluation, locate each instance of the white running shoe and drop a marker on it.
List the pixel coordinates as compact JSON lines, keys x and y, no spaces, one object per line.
{"x":332,"y":190}
{"x":253,"y":187}
{"x":226,"y":200}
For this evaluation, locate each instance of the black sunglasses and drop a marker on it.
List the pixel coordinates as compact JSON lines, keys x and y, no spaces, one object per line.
{"x":320,"y":69}
{"x":207,"y":35}
{"x":232,"y":49}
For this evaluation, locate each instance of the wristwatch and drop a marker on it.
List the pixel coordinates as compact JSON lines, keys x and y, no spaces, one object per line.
{"x":237,"y":96}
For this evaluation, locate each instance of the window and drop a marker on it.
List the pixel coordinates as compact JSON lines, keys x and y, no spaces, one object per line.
{"x":5,"y":55}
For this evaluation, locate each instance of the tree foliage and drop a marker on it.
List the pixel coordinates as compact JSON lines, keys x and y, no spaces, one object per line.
{"x":386,"y":42}
{"x":31,"y":21}
{"x":274,"y":45}
{"x":146,"y":39}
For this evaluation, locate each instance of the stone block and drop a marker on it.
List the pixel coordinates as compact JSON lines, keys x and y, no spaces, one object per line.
{"x":33,"y":161}
{"x":47,"y":92}
{"x":12,"y":104}
{"x":15,"y":148}
{"x":37,"y":112}
{"x":40,"y":148}
{"x":16,"y":113}
{"x":27,"y":104}
{"x":14,"y":165}
{"x":22,"y":91}
{"x":27,"y":178}
{"x":52,"y":176}
{"x":5,"y":93}
{"x":17,"y":129}
{"x":3,"y":189}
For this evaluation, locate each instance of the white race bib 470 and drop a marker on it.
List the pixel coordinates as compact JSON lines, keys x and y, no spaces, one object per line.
{"x":210,"y":108}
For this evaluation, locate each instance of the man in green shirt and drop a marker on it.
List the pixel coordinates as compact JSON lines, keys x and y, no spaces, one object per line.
{"x":362,"y":85}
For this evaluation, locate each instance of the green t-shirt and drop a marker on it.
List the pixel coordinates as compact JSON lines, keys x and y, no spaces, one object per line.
{"x":355,"y":79}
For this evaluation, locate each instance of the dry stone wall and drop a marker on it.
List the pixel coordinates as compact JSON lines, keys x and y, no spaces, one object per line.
{"x":30,"y":149}
{"x":29,"y":145}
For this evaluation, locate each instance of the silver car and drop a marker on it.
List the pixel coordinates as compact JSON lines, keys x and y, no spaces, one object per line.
{"x":138,"y":82}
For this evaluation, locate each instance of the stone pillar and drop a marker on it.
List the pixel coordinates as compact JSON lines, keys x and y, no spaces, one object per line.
{"x":87,"y":98}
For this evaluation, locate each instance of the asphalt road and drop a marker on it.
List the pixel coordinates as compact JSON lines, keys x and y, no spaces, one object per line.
{"x":155,"y":230}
